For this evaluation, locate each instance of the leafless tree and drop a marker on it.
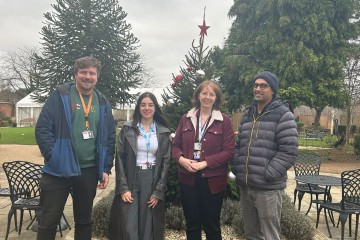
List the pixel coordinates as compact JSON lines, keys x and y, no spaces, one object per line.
{"x":18,"y":68}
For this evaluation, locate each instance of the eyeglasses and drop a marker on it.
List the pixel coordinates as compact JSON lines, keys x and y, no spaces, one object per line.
{"x":261,"y":85}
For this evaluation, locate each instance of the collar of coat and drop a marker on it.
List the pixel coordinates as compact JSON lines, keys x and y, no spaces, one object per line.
{"x":215,"y":115}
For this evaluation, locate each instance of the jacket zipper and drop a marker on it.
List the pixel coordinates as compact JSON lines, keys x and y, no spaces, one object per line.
{"x":250,"y":141}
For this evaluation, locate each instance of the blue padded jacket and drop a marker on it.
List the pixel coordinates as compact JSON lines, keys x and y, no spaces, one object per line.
{"x":53,"y":135}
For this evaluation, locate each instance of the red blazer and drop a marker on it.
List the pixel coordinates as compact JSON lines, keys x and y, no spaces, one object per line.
{"x":218,"y":147}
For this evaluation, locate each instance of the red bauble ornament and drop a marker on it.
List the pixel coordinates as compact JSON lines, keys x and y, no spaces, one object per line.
{"x":189,"y":68}
{"x":178,"y":78}
{"x":173,"y":84}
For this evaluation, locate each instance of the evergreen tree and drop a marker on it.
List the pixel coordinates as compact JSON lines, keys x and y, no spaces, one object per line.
{"x":177,"y":98}
{"x":198,"y":67}
{"x":78,"y":28}
{"x":303,"y":42}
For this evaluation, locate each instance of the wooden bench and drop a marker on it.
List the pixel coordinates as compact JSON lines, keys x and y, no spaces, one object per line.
{"x":27,"y":122}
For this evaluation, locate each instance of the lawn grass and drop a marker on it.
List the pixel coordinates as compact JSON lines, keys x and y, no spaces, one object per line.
{"x":17,"y":135}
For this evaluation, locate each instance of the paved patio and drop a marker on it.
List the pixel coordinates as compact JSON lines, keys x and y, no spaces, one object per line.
{"x":321,"y":232}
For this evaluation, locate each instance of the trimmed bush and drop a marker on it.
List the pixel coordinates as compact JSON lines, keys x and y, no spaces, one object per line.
{"x":101,"y":215}
{"x":295,"y":225}
{"x":174,"y":218}
{"x":228,"y":211}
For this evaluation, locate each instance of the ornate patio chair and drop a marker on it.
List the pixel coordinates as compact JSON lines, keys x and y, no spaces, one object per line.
{"x":22,"y":175}
{"x":308,"y":164}
{"x":349,"y":204}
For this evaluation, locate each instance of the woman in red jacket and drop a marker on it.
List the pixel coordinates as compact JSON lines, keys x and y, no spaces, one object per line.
{"x":203,"y":145}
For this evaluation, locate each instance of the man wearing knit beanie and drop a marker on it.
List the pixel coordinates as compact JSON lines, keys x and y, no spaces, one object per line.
{"x":266,"y":148}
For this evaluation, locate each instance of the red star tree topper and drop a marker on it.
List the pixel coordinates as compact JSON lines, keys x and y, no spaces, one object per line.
{"x":203,"y":27}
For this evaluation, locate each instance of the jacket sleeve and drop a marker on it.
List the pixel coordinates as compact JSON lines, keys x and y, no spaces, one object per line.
{"x":161,"y":187}
{"x":45,"y":127}
{"x":111,"y":139}
{"x":228,"y":147}
{"x":287,"y":139}
{"x":121,"y":180}
{"x":177,"y":149}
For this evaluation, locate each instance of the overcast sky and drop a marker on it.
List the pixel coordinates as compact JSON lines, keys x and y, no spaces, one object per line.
{"x":165,"y":28}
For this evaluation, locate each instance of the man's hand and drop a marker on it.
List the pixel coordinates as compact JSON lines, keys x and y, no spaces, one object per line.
{"x":104,"y":182}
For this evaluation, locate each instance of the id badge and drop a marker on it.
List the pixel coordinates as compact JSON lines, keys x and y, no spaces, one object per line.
{"x":197,"y":146}
{"x":197,"y":155}
{"x":88,"y":134}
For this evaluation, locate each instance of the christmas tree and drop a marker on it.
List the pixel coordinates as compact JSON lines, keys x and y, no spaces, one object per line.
{"x":177,"y":97}
{"x":197,"y":68}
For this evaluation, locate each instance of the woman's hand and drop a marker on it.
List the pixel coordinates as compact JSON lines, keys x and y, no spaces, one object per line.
{"x":126,"y":197}
{"x":200,"y":165}
{"x":153,"y":201}
{"x":188,"y":164}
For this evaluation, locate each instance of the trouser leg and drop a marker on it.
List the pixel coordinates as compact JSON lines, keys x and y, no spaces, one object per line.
{"x":269,"y":205}
{"x":210,"y":210}
{"x":53,"y":196}
{"x":83,"y":193}
{"x":145,"y":213}
{"x":132,"y":224}
{"x":252,"y":227}
{"x":190,"y":200}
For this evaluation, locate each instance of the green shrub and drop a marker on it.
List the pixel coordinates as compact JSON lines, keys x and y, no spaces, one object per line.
{"x":294,"y":224}
{"x":229,"y":210}
{"x":174,"y":218}
{"x":101,"y":215}
{"x":357,"y":144}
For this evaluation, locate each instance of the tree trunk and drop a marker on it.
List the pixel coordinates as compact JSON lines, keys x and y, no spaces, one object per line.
{"x":317,"y":116}
{"x":348,"y":123}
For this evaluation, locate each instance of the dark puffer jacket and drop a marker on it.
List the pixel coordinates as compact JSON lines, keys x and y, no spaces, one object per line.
{"x":266,"y":148}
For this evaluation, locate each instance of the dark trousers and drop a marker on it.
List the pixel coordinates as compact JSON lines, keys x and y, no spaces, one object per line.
{"x":53,"y":196}
{"x":201,"y":209}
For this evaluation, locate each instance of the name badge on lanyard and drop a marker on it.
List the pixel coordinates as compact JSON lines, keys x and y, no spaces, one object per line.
{"x":199,"y":135}
{"x":88,"y":134}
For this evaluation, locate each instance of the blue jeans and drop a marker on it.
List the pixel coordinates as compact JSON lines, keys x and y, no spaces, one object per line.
{"x":262,"y":213}
{"x":201,"y":209}
{"x":53,"y":196}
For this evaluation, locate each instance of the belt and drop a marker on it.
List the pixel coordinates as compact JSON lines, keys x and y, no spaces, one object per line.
{"x":145,"y":167}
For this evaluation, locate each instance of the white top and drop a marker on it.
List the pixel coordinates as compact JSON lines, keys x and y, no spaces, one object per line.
{"x":147,"y":146}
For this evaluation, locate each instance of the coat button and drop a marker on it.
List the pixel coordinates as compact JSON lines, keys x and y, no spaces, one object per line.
{"x":203,"y":174}
{"x":215,"y":132}
{"x":204,"y":139}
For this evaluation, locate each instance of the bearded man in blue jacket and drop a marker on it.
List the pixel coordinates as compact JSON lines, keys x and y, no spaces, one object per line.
{"x":266,"y":148}
{"x":76,"y":135}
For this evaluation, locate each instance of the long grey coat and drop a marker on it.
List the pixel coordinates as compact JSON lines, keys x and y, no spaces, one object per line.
{"x":125,"y":167}
{"x":266,"y":148}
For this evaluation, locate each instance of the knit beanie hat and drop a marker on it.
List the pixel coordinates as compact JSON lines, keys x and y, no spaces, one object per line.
{"x":270,"y":78}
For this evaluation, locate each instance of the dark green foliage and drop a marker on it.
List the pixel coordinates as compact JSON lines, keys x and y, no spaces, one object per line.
{"x":101,"y":215}
{"x":294,"y":225}
{"x":304,"y":43}
{"x":174,"y":218}
{"x":172,"y":195}
{"x":232,"y":190}
{"x":357,"y":144}
{"x":78,"y":28}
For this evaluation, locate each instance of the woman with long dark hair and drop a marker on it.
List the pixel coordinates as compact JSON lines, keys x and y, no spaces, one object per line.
{"x":141,"y":165}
